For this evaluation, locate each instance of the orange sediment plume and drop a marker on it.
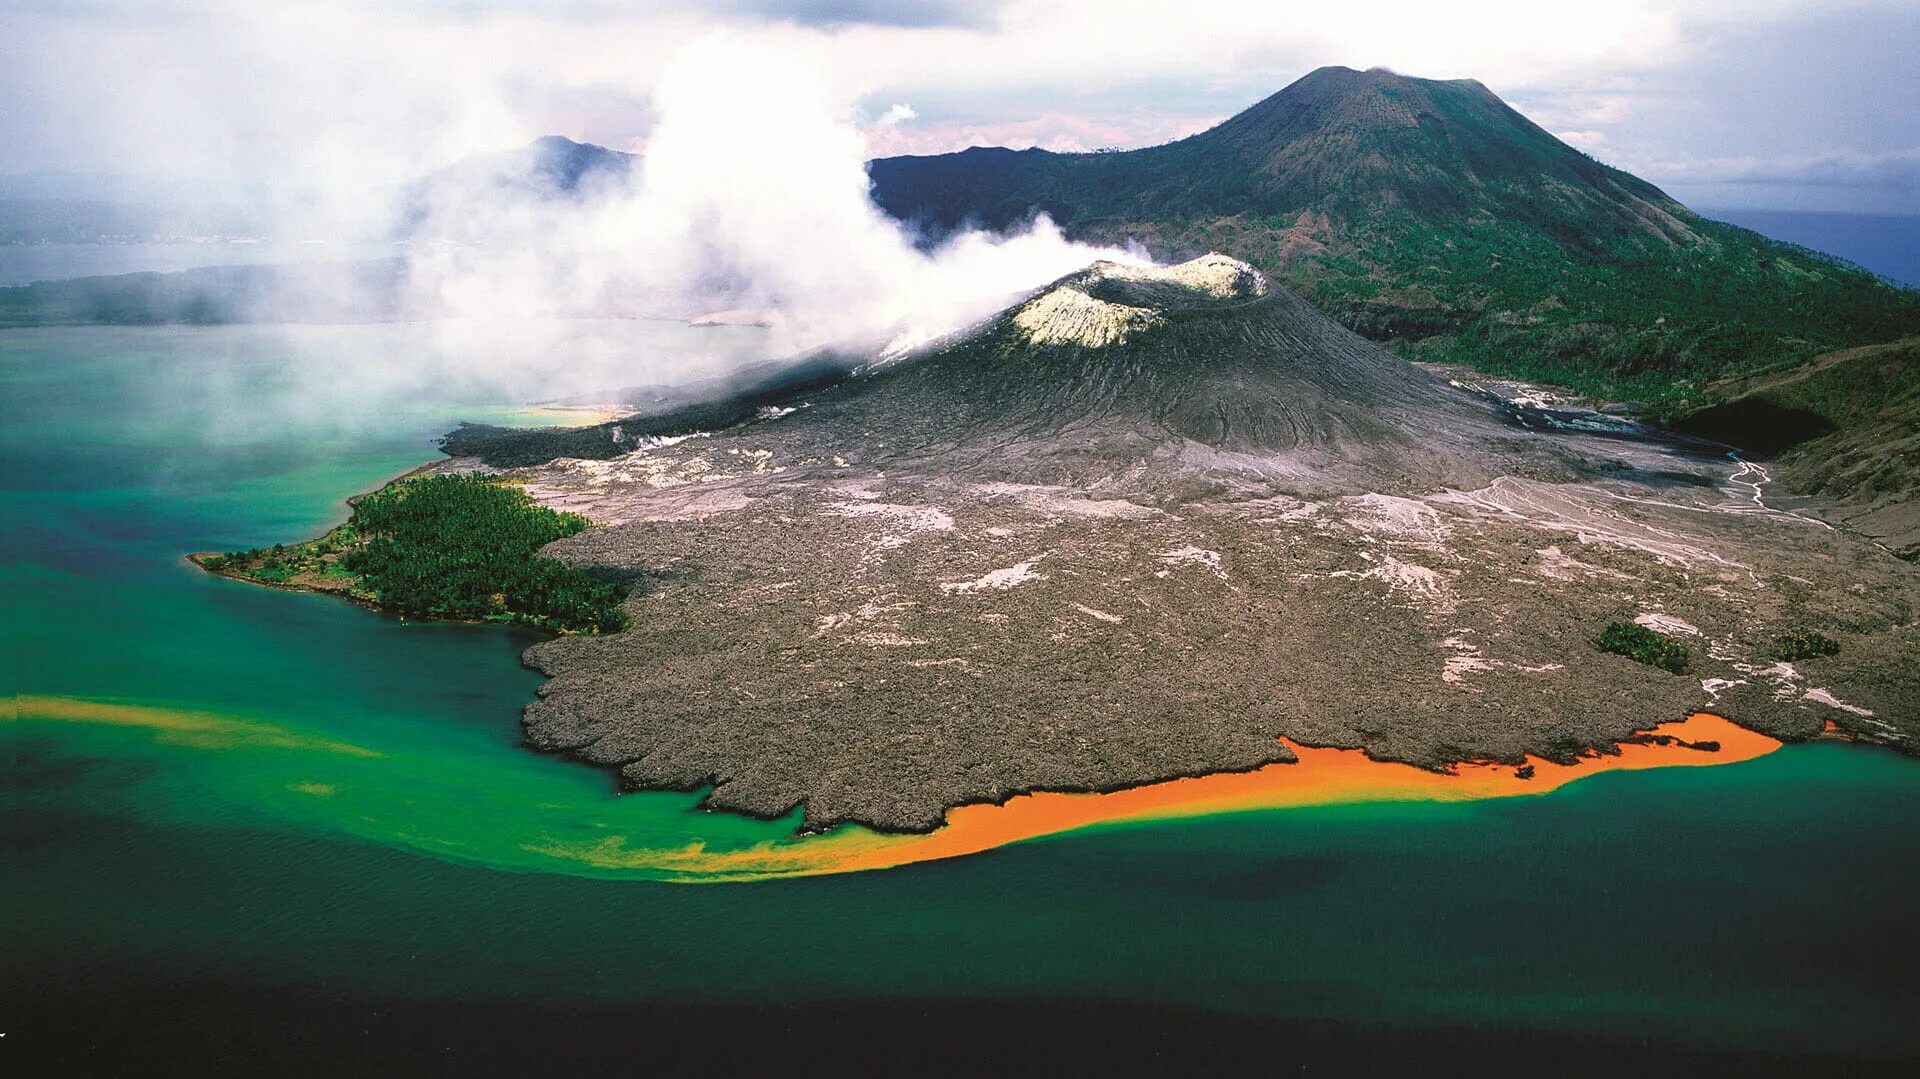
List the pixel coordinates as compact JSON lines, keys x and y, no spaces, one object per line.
{"x":179,"y":725}
{"x":1321,"y":777}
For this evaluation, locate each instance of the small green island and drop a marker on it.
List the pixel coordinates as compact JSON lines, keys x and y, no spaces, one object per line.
{"x":454,"y":547}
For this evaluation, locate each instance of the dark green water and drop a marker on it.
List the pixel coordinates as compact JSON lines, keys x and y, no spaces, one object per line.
{"x":353,"y":860}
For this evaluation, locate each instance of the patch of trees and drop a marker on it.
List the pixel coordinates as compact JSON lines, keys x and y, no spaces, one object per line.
{"x":453,"y":547}
{"x":1804,"y":644}
{"x":1642,"y":645}
{"x":465,"y":547}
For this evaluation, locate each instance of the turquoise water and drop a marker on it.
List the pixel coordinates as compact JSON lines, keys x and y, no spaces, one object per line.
{"x":315,"y":802}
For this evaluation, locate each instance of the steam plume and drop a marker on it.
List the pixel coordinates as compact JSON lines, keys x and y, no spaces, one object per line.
{"x":752,"y":197}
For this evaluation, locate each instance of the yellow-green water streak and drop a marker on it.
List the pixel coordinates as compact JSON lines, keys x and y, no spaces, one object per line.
{"x":435,"y":799}
{"x":419,"y":797}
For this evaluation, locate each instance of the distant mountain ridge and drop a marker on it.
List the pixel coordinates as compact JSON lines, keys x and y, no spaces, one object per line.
{"x":1431,"y":215}
{"x":552,"y":168}
{"x":64,"y":207}
{"x":551,"y":165}
{"x":1427,"y":215}
{"x":1337,"y":140}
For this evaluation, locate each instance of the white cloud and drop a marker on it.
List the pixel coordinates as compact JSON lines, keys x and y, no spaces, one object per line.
{"x":1060,"y":132}
{"x":1896,"y":168}
{"x":753,"y":194}
{"x":323,"y":95}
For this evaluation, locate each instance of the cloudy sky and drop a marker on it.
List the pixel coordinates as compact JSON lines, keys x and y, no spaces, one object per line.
{"x":1773,"y":103}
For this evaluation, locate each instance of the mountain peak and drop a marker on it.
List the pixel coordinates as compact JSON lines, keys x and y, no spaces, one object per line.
{"x":1429,"y":213}
{"x":1356,"y":79}
{"x":1336,"y":145}
{"x":1339,"y":100}
{"x":549,"y":168}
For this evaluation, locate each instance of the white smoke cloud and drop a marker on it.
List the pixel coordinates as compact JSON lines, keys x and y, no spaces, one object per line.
{"x":752,"y":198}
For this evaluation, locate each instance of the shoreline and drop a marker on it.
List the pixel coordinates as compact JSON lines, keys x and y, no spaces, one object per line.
{"x":198,"y":559}
{"x":1336,"y":776}
{"x":1320,"y":777}
{"x":347,"y":594}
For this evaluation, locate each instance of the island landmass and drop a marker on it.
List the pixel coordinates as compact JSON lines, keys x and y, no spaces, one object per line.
{"x":1150,"y":523}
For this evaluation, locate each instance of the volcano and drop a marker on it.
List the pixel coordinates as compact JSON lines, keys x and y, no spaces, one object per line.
{"x":1125,"y":376}
{"x":1142,"y":524}
{"x":1430,"y":215}
{"x":1115,"y":376}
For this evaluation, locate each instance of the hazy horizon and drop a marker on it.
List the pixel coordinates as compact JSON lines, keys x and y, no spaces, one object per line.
{"x":1787,"y":104}
{"x":755,"y":121}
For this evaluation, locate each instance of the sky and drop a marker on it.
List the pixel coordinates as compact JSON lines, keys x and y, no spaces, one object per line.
{"x":1796,"y":104}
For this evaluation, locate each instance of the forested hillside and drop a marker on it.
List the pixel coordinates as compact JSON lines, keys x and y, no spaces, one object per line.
{"x":1432,"y":216}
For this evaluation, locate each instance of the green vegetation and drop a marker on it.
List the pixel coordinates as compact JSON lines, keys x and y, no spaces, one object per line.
{"x":1844,"y":429}
{"x":1642,"y":645}
{"x":1838,"y":391}
{"x":1803,"y":643}
{"x":313,"y":565}
{"x":1608,"y":310}
{"x":1431,"y":217}
{"x":1611,"y":318}
{"x":455,"y":547}
{"x":1865,"y":398}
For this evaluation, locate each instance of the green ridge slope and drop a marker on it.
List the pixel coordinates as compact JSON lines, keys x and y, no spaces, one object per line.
{"x":1432,"y":216}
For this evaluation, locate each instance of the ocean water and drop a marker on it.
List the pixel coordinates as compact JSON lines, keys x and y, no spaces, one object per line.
{"x":1886,"y":244}
{"x":22,"y":264}
{"x":256,"y":831}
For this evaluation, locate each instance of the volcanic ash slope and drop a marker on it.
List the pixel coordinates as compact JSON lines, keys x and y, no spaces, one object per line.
{"x":1143,"y":523}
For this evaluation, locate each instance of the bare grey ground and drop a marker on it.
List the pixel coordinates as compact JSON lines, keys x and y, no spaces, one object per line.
{"x":1026,"y":563}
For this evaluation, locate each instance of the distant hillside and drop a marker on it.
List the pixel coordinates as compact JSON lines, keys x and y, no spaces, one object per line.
{"x":59,"y":207}
{"x":462,"y":199}
{"x":550,"y":166}
{"x":548,"y":169}
{"x":1844,"y":429}
{"x":1432,"y":216}
{"x":295,"y":292}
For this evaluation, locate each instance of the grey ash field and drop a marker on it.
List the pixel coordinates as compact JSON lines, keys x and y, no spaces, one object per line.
{"x":1142,"y":525}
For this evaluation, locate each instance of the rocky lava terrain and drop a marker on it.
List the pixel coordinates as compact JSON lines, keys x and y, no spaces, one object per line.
{"x":1146,"y":522}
